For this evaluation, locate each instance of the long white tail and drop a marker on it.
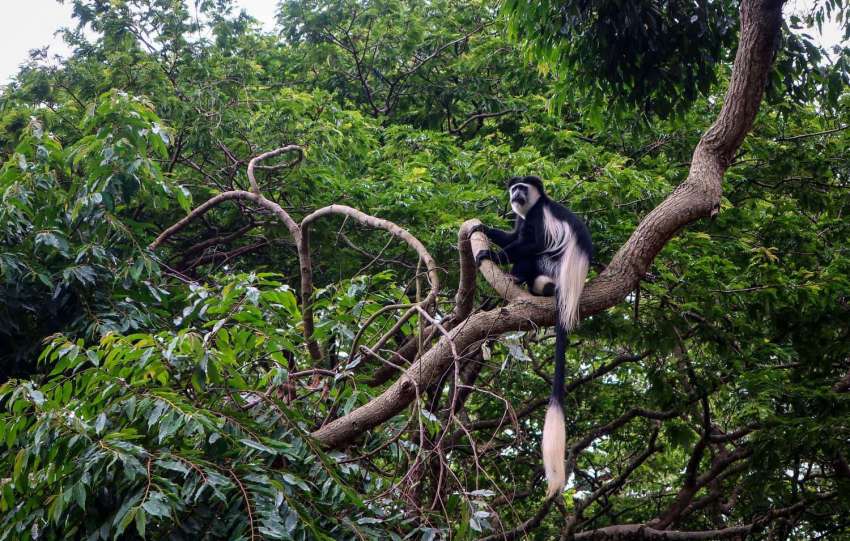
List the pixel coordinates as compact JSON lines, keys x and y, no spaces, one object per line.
{"x":554,"y":448}
{"x":572,"y":272}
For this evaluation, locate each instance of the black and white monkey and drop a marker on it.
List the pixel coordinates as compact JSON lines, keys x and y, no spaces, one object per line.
{"x":550,"y":249}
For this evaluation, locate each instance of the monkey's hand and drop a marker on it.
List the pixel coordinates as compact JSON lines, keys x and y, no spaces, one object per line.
{"x":478,"y":228}
{"x":482,"y":255}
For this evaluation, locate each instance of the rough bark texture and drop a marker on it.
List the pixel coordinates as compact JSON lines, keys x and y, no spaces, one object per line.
{"x":697,"y":197}
{"x":639,"y":531}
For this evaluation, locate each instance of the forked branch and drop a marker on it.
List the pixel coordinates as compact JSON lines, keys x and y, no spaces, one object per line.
{"x":300,"y":235}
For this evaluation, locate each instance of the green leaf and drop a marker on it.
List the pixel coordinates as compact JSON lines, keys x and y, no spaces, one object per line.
{"x":156,"y":505}
{"x":100,"y":423}
{"x":258,"y":446}
{"x":141,"y":520}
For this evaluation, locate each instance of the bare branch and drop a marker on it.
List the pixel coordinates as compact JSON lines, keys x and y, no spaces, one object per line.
{"x":645,"y":532}
{"x":220,"y":198}
{"x":466,"y":284}
{"x":504,"y":284}
{"x":255,"y":197}
{"x":271,"y":154}
{"x":386,"y":225}
{"x":479,"y":116}
{"x":525,"y":527}
{"x":816,"y":134}
{"x":641,"y":531}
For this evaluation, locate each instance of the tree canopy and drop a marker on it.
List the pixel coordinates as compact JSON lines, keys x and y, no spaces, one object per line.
{"x":238,"y":299}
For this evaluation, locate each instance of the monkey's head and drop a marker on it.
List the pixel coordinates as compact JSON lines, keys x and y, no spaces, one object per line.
{"x":524,"y":192}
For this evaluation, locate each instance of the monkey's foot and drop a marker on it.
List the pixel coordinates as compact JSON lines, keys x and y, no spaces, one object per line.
{"x":543,"y":286}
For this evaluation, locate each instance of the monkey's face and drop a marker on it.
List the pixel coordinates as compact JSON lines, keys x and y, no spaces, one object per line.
{"x":522,"y":197}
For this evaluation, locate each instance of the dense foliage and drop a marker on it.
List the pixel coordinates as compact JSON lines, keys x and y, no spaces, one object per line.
{"x":168,"y":393}
{"x":659,"y":55}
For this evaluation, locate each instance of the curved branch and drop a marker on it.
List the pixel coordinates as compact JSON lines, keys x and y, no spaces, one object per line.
{"x":504,"y":284}
{"x":257,"y":198}
{"x":271,"y":154}
{"x":386,"y":225}
{"x":227,"y":196}
{"x":464,"y":300}
{"x":466,"y":282}
{"x":372,"y":221}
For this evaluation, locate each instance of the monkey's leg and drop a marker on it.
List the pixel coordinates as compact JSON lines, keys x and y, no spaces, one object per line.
{"x":524,"y":271}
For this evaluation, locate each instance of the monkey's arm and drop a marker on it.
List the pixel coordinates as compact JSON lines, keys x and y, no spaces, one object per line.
{"x":527,"y":243}
{"x":501,"y":238}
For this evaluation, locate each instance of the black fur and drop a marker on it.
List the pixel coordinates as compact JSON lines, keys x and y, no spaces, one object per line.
{"x":525,"y":249}
{"x":524,"y":246}
{"x":564,"y":260}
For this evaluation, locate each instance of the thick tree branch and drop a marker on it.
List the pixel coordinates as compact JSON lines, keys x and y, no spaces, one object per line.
{"x":641,"y":531}
{"x":466,"y":284}
{"x":623,"y":532}
{"x":504,"y":284}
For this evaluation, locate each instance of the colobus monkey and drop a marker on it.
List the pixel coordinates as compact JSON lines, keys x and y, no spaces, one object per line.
{"x":550,"y":249}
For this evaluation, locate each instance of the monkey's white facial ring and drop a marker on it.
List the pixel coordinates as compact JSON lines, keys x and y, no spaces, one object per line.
{"x":519,"y":193}
{"x":522,"y":197}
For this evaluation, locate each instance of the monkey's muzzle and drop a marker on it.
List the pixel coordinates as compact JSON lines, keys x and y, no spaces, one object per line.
{"x":518,"y":199}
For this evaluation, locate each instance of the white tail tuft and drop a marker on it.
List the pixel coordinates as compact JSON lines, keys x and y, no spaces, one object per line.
{"x":572,"y":273}
{"x":554,"y":448}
